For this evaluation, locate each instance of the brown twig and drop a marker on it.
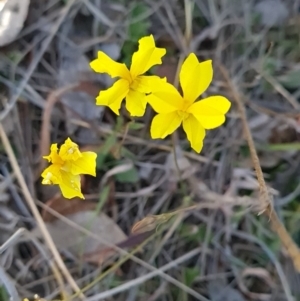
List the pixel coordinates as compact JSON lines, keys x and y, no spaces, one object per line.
{"x":266,"y":205}
{"x":52,"y":99}
{"x":36,"y":214}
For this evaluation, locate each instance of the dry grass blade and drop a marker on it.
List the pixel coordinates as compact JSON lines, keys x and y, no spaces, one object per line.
{"x":188,"y":7}
{"x":126,"y":255}
{"x":17,"y":236}
{"x":37,"y":59}
{"x":281,"y":90}
{"x":32,"y":206}
{"x":148,"y":276}
{"x":9,"y":285}
{"x":266,"y":205}
{"x":47,"y":85}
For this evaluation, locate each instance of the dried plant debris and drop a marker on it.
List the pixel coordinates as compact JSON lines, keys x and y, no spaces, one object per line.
{"x":69,"y":237}
{"x":79,"y":104}
{"x":152,"y":201}
{"x":272,"y":12}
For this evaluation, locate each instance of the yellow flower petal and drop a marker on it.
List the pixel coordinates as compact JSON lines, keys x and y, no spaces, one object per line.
{"x":51,"y":175}
{"x":113,"y":96}
{"x":195,"y":132}
{"x":165,"y":124}
{"x":210,"y":112}
{"x":195,"y":77}
{"x":147,"y":56}
{"x":164,"y":97}
{"x":84,"y":165}
{"x":69,"y":151}
{"x":144,"y":83}
{"x":53,"y":156}
{"x":70,"y":185}
{"x":136,"y":103}
{"x":104,"y":64}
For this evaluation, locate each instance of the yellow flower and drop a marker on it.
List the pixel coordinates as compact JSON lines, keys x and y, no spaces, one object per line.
{"x":67,"y":165}
{"x":174,"y":109}
{"x":132,"y":85}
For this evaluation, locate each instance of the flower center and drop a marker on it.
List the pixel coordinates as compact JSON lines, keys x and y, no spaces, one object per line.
{"x":183,"y":114}
{"x":65,"y":167}
{"x":186,"y":104}
{"x":131,"y":79}
{"x":135,"y":84}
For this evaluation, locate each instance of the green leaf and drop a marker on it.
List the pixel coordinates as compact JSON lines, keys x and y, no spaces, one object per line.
{"x":282,"y":147}
{"x":275,"y":245}
{"x":127,"y":51}
{"x":104,"y":151}
{"x":136,"y":126}
{"x":15,"y":56}
{"x":119,"y":123}
{"x":189,"y":275}
{"x":193,"y":233}
{"x":3,"y":294}
{"x":126,"y":153}
{"x":138,"y":29}
{"x":270,"y":65}
{"x":237,"y":217}
{"x":103,"y":196}
{"x":129,"y":176}
{"x":290,"y":80}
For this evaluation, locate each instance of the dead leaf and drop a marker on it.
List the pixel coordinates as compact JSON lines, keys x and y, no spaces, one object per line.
{"x":66,"y":207}
{"x":67,"y":237}
{"x":272,"y":12}
{"x":102,"y":255}
{"x":75,"y":68}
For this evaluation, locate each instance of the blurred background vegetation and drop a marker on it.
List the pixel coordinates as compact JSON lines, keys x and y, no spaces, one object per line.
{"x":222,"y":250}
